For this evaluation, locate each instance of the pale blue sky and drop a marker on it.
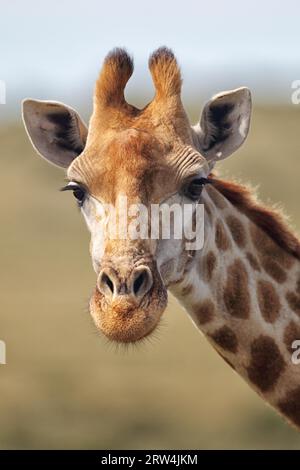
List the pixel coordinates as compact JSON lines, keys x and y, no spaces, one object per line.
{"x":55,"y":49}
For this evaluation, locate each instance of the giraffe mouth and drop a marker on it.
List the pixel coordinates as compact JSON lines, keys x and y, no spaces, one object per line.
{"x":123,"y":319}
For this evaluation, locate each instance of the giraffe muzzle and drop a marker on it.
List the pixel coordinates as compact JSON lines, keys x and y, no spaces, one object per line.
{"x":127,"y":304}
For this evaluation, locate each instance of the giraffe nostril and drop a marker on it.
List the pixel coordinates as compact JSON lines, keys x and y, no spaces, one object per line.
{"x":142,"y":281}
{"x":138,"y":283}
{"x":106,"y":280}
{"x":107,"y":283}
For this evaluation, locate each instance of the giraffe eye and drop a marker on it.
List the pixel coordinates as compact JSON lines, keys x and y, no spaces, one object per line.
{"x":79,"y":192}
{"x":194,"y":188}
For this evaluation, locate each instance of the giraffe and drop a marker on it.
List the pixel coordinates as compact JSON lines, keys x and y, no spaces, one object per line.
{"x":242,"y":289}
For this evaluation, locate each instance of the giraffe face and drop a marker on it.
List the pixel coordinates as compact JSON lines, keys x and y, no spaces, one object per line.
{"x":136,"y":169}
{"x":130,"y":158}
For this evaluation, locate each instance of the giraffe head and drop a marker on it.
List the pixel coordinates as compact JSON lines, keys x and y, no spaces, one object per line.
{"x":142,"y":158}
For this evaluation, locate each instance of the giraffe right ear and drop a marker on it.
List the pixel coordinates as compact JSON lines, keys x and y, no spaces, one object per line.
{"x":55,"y":130}
{"x":224,"y":124}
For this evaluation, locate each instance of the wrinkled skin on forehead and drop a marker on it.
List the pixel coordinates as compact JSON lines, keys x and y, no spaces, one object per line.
{"x":132,"y":162}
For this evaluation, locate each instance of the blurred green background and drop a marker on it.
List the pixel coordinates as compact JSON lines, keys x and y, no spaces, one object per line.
{"x":66,"y":387}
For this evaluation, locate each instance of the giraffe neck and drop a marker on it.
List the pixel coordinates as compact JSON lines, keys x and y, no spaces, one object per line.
{"x":243,"y":291}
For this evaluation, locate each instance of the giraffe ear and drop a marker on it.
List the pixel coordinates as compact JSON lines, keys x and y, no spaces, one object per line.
{"x":55,"y":130}
{"x":224,"y":124}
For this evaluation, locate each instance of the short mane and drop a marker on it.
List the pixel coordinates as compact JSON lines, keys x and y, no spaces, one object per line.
{"x":269,"y":219}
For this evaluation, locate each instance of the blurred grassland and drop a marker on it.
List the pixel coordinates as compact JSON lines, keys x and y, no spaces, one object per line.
{"x":66,"y":387}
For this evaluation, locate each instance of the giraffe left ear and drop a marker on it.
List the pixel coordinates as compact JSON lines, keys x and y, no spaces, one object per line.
{"x":224,"y":124}
{"x":55,"y":130}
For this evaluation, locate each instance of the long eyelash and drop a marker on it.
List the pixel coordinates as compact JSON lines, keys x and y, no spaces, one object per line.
{"x":69,"y":187}
{"x":72,"y":186}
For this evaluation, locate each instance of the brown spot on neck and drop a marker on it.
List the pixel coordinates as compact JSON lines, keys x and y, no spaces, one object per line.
{"x":266,"y":363}
{"x":203,"y":311}
{"x":253,"y":261}
{"x":291,"y":334}
{"x":273,"y":269}
{"x":208,"y":210}
{"x":237,"y":230}
{"x":222,"y":241}
{"x":207,"y":266}
{"x":298,"y":285}
{"x":290,"y":406}
{"x":236,"y":292}
{"x":273,"y":259}
{"x":225,"y":338}
{"x":294,"y":302}
{"x":268,"y":301}
{"x":266,"y":246}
